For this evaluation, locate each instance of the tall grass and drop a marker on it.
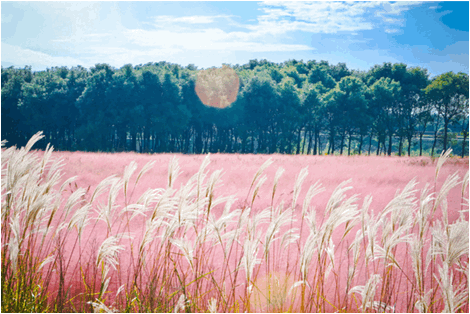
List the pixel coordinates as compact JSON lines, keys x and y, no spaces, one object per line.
{"x":68,"y":249}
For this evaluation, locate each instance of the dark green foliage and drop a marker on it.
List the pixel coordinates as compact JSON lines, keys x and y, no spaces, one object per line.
{"x":292,"y":108}
{"x":450,"y":92}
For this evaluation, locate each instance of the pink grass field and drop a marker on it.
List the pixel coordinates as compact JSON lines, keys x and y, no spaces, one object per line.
{"x":380,"y":177}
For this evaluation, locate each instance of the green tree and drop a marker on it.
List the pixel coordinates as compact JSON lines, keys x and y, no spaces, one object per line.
{"x":385,"y":94}
{"x":14,"y":126}
{"x":319,"y":73}
{"x":291,"y":118}
{"x":96,"y":125}
{"x":464,"y":124}
{"x":451,"y":92}
{"x":260,"y":111}
{"x":312,"y":107}
{"x":351,"y":107}
{"x":423,"y":118}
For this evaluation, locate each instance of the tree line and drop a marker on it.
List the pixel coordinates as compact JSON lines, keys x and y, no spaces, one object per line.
{"x":293,"y":107}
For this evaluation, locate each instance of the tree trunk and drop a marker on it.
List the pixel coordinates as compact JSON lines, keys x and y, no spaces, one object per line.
{"x":331,"y":147}
{"x":319,"y":148}
{"x":446,"y":124}
{"x":317,"y":144}
{"x":305,"y":140}
{"x":298,"y":141}
{"x":360,"y":143}
{"x":379,"y":138}
{"x":390,"y":145}
{"x":314,"y":139}
{"x":349,"y":145}
{"x":465,"y":135}
{"x":400,"y":146}
{"x":421,"y":144}
{"x":410,"y":139}
{"x":342,"y":142}
{"x":434,"y":142}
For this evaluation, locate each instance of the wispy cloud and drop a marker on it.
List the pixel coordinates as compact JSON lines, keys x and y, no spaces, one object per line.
{"x":396,"y":8}
{"x":393,"y":20}
{"x":83,"y":38}
{"x":207,"y":39}
{"x":164,"y":20}
{"x":18,"y":56}
{"x":327,"y":17}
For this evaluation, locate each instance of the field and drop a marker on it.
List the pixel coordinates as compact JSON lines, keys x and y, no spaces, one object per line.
{"x":233,"y":233}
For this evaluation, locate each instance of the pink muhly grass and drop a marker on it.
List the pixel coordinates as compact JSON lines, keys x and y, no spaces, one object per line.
{"x":181,"y":235}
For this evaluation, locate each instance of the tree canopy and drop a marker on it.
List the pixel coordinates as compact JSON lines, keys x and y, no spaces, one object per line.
{"x":293,"y":107}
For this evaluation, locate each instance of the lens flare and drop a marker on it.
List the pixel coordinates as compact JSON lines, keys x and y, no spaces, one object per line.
{"x":217,"y":87}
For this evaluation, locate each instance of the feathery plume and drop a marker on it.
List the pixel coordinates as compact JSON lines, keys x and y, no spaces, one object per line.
{"x":453,"y":299}
{"x":180,"y":305}
{"x":442,"y":159}
{"x":312,"y":191}
{"x":279,"y":173}
{"x":173,"y":171}
{"x":261,"y":169}
{"x":144,"y":169}
{"x":298,"y":185}
{"x":367,"y":291}
{"x":212,"y":305}
{"x":128,"y":171}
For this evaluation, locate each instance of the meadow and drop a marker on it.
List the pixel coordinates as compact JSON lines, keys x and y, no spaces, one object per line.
{"x":128,"y":232}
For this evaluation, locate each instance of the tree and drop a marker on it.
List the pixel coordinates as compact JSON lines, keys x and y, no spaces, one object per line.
{"x":385,"y":95}
{"x":423,"y":118}
{"x":291,"y":71}
{"x":319,"y":73}
{"x":312,"y":106}
{"x":290,"y":116}
{"x":95,"y":120}
{"x":14,"y":125}
{"x":451,"y":92}
{"x":412,"y":82}
{"x":261,"y":113}
{"x":464,"y":124}
{"x":339,"y":71}
{"x":351,"y":107}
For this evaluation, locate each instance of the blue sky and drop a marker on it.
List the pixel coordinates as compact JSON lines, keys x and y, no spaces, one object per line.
{"x":432,"y":35}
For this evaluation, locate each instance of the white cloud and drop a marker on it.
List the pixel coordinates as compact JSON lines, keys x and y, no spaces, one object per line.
{"x":393,"y":20}
{"x":19,"y":56}
{"x":326,"y":17}
{"x":83,"y":38}
{"x":210,"y":39}
{"x":396,"y":8}
{"x":391,"y":31}
{"x":193,"y":19}
{"x":314,"y":17}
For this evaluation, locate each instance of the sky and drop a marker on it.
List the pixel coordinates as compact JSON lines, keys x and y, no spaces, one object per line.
{"x":431,"y":35}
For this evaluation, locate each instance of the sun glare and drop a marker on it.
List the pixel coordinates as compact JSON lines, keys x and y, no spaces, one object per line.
{"x":217,"y":87}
